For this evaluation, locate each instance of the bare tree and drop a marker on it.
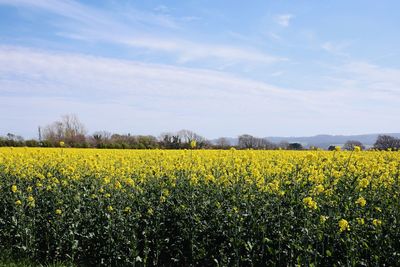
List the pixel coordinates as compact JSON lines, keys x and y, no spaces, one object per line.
{"x":188,"y":136}
{"x":53,"y":132}
{"x":350,"y":144}
{"x":182,"y":139}
{"x":266,"y":144}
{"x":170,"y":140}
{"x":72,"y":126}
{"x":247,"y":141}
{"x":14,"y":137}
{"x":100,"y":138}
{"x":385,"y":142}
{"x":222,"y":142}
{"x":69,"y":130}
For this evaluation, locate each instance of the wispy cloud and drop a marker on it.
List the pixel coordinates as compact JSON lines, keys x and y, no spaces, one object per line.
{"x":190,"y":51}
{"x":274,"y":36}
{"x":102,"y":89}
{"x":131,"y":28}
{"x":336,"y":47}
{"x":24,"y":64}
{"x":37,"y":85}
{"x":380,"y":81}
{"x":94,"y":19}
{"x":284,"y":19}
{"x":183,"y":97}
{"x":161,"y":8}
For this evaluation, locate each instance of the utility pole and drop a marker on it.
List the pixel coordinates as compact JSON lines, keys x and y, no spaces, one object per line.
{"x":40,"y":134}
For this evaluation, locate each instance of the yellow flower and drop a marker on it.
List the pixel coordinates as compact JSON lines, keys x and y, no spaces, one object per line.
{"x":310,"y":203}
{"x":344,"y":225}
{"x":106,"y":180}
{"x":58,"y":212}
{"x":319,"y":189}
{"x":323,"y":218}
{"x":357,"y":148}
{"x":273,"y":186}
{"x":118,"y":185}
{"x":29,"y":189}
{"x":377,"y":222}
{"x":62,"y":144}
{"x":130,"y":181}
{"x":193,"y":144}
{"x":329,"y":192}
{"x":360,"y":221}
{"x":361,"y":201}
{"x":127,"y":210}
{"x":163,"y":199}
{"x":31,"y":201}
{"x":18,"y":202}
{"x":337,"y":148}
{"x":14,"y":188}
{"x":110,"y":208}
{"x":165,"y":192}
{"x":363,"y":183}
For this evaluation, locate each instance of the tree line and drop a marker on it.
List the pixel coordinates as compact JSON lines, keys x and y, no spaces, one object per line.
{"x":71,"y":132}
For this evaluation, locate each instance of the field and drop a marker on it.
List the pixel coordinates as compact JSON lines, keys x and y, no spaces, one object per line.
{"x":205,"y":208}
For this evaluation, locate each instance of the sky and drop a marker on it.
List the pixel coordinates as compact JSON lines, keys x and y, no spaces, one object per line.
{"x":218,"y":68}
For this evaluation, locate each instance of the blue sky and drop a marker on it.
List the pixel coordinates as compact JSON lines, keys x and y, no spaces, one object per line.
{"x":219,"y":68}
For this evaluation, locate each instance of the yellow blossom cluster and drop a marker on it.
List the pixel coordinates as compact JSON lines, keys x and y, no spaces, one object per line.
{"x":333,"y":193}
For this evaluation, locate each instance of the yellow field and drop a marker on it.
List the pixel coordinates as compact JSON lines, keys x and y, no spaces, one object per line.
{"x":163,"y":207}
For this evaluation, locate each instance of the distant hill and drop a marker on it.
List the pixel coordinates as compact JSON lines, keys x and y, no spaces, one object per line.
{"x":324,"y":140}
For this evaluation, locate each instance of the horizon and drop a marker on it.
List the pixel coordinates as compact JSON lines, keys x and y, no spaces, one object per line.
{"x":269,"y":69}
{"x":90,"y":133}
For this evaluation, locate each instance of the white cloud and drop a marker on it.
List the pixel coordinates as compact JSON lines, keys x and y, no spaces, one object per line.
{"x":336,"y":48}
{"x":152,"y":94}
{"x":274,"y":36}
{"x":130,"y":28}
{"x":376,"y":80}
{"x":190,"y":51}
{"x":284,"y":19}
{"x":40,"y":67}
{"x":161,"y":8}
{"x":89,"y":16}
{"x":126,"y":96}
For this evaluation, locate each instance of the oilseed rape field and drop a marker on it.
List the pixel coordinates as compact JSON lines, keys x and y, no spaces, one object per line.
{"x":93,"y":207}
